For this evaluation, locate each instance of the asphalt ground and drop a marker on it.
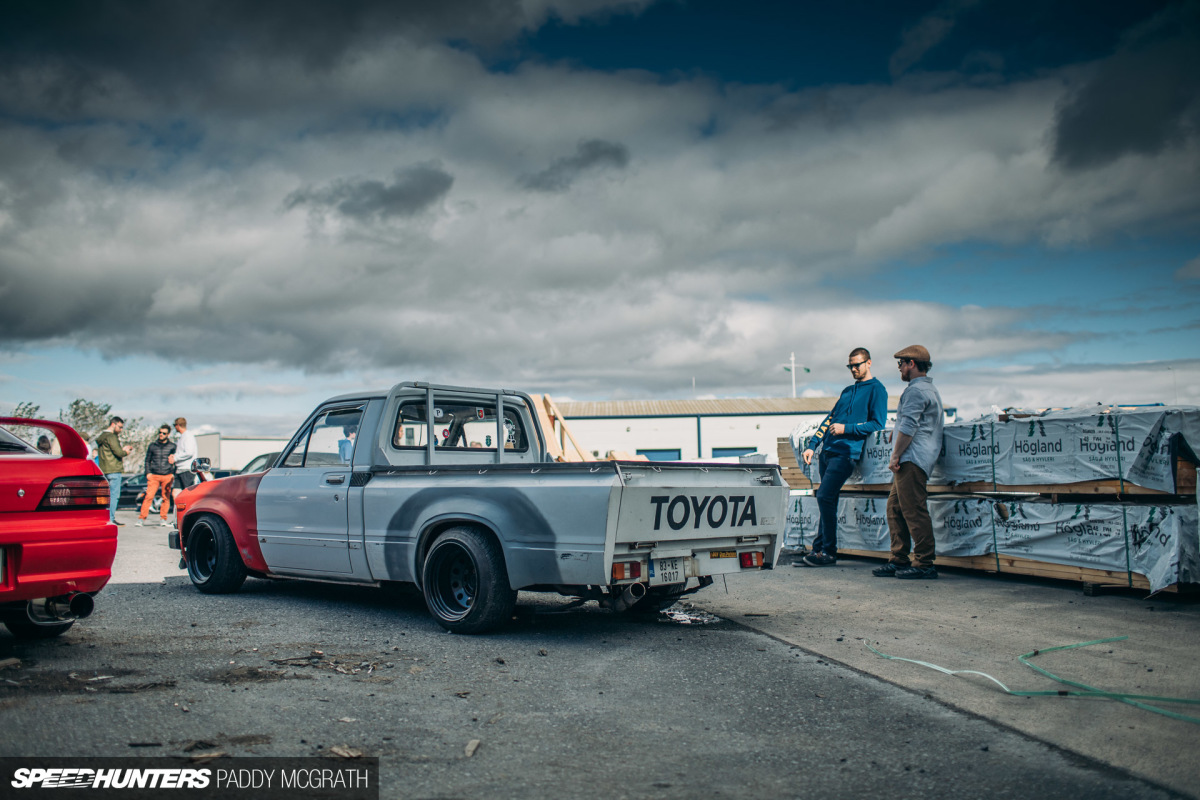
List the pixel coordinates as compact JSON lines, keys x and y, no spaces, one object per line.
{"x":968,"y":620}
{"x":560,"y":705}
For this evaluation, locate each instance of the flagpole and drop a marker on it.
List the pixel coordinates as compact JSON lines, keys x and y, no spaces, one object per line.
{"x":793,"y":370}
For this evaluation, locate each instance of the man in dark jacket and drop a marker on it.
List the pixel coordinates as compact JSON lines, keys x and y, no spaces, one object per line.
{"x":859,"y":412}
{"x":160,"y":474}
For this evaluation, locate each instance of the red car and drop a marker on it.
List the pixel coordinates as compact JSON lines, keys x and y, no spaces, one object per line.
{"x":56,"y":542}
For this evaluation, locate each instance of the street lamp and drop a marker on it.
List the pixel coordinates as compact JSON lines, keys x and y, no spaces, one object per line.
{"x":791,"y":367}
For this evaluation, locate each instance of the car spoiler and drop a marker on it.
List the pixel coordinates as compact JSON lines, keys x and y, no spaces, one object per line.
{"x":69,"y":440}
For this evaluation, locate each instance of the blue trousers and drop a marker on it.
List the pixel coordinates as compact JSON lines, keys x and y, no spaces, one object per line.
{"x":114,"y":493}
{"x":835,"y":469}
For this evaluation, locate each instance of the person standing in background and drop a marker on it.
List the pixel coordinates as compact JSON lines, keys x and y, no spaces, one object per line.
{"x":111,"y":458}
{"x":919,"y":422}
{"x":160,"y":474}
{"x":860,"y":411}
{"x":185,"y":454}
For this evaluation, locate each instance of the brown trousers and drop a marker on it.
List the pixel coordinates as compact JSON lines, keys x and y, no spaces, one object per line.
{"x":908,"y":517}
{"x":155,"y":484}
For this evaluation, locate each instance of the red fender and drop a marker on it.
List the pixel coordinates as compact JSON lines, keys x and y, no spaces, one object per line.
{"x":232,"y":499}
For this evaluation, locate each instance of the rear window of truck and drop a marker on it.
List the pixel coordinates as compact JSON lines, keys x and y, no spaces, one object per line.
{"x":458,"y":425}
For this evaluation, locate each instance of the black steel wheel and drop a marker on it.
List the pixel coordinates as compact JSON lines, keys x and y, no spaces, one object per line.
{"x":22,"y":627}
{"x":213,"y":561}
{"x":465,"y":582}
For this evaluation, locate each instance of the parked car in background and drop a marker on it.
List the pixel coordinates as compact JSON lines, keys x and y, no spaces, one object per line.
{"x":56,"y":542}
{"x":259,"y":464}
{"x":133,"y":490}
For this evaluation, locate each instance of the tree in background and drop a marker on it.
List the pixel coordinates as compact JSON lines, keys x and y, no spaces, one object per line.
{"x":90,"y":419}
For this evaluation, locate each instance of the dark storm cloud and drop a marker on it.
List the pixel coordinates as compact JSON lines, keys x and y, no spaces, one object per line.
{"x":1143,"y":99}
{"x":411,"y":191}
{"x":589,"y":155}
{"x":78,"y":45}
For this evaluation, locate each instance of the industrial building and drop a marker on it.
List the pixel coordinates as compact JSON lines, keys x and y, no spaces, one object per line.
{"x":673,"y":430}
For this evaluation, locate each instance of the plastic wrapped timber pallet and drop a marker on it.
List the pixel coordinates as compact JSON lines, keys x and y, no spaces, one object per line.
{"x":1144,"y":545}
{"x":1106,"y":450}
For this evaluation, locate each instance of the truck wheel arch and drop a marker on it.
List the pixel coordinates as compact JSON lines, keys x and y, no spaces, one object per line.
{"x":436,"y":527}
{"x":505,"y":513}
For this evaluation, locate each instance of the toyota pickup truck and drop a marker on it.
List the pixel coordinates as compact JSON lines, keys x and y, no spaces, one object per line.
{"x":450,"y":488}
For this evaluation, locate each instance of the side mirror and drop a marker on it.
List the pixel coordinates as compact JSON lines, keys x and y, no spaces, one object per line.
{"x":201,"y":464}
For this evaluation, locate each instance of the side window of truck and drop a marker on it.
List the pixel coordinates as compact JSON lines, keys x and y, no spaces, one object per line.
{"x":459,"y":425}
{"x":295,"y":456}
{"x":329,"y":442}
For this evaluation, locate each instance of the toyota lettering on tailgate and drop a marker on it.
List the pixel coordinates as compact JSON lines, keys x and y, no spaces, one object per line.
{"x":717,"y":510}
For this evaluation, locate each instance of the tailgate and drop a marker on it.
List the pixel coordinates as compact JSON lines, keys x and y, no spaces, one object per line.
{"x":709,"y":514}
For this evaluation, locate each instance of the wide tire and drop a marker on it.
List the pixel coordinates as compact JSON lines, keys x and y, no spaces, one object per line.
{"x":25,"y":629}
{"x":465,"y":582}
{"x":213,"y":561}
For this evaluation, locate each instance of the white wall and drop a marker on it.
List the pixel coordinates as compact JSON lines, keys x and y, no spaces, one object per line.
{"x":237,"y":452}
{"x":208,"y":445}
{"x":647,"y":433}
{"x":664,"y":433}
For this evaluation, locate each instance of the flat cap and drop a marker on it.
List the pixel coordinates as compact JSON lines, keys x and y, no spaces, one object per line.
{"x":914,"y":351}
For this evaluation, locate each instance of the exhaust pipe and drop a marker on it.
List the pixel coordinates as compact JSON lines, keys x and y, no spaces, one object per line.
{"x":76,"y":605}
{"x":625,"y":600}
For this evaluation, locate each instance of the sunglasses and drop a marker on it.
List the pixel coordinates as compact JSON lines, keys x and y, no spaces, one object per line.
{"x":900,"y":362}
{"x":853,"y":367}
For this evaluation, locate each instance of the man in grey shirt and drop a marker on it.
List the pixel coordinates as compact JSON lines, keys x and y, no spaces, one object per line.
{"x":918,"y":443}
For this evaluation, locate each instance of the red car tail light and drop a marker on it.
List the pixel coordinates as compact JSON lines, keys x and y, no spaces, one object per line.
{"x":75,"y":493}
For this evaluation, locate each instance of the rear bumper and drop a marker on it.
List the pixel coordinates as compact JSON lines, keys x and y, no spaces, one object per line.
{"x":47,"y":554}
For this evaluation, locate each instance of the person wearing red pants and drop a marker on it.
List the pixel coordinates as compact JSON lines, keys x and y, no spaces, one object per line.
{"x":160,"y":474}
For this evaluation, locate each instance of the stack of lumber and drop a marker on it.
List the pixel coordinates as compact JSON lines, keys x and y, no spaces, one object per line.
{"x":1133,"y":522}
{"x":793,"y":474}
{"x":560,"y":443}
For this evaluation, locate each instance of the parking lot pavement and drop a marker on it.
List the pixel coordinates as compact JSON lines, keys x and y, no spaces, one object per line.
{"x":142,"y":552}
{"x":972,"y":621}
{"x":561,"y":706}
{"x":567,"y":703}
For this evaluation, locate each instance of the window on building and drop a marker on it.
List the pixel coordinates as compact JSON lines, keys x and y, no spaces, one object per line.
{"x":661,"y":455}
{"x":733,"y":452}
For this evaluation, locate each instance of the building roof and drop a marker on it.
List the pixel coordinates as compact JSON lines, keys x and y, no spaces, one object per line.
{"x":737,"y":406}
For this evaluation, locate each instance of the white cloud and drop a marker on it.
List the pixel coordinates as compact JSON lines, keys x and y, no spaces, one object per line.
{"x":700,"y":248}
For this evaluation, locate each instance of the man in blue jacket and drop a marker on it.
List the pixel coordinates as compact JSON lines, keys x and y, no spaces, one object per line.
{"x":859,"y":412}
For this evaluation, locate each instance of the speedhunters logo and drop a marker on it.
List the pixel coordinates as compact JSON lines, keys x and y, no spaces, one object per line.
{"x":75,"y":778}
{"x":260,"y":778}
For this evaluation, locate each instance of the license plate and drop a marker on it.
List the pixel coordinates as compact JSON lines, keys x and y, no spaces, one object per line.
{"x":667,"y":570}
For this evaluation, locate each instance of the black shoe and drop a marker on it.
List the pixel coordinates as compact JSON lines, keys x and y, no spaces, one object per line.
{"x":117,"y":522}
{"x":917,"y":572}
{"x":888,"y":570}
{"x":819,"y":560}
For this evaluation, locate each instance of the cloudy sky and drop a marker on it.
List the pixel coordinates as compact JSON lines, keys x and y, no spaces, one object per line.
{"x":232,"y":210}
